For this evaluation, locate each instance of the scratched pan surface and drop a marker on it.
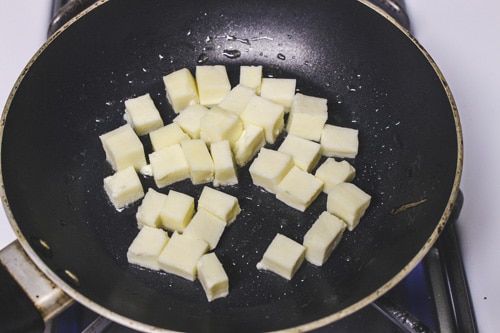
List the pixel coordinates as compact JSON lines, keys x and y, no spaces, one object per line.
{"x":376,"y":79}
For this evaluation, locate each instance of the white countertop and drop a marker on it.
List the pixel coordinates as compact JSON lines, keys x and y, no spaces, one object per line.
{"x":461,"y":36}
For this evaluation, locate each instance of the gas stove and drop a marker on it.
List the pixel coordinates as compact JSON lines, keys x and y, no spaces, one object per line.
{"x":434,"y":297}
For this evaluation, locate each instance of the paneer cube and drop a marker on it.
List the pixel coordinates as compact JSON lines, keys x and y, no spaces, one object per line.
{"x":305,"y":153}
{"x":339,"y":141}
{"x":333,"y":172}
{"x":181,"y":89}
{"x":225,"y":171}
{"x":322,"y":238}
{"x":213,"y":84}
{"x":123,"y":187}
{"x":251,"y":77}
{"x":142,"y":114}
{"x":278,"y":90}
{"x":146,"y":247}
{"x":237,"y":99}
{"x":283,"y":257}
{"x":181,"y":254}
{"x":266,"y":114}
{"x":201,"y":165}
{"x":269,"y":168}
{"x":207,"y":227}
{"x":299,"y":189}
{"x":348,"y":202}
{"x":169,"y":165}
{"x":177,"y":211}
{"x":248,"y":144}
{"x":220,"y":204}
{"x":167,"y":136}
{"x":189,"y":120}
{"x":148,"y":213}
{"x":219,"y":125}
{"x":308,"y":116}
{"x":212,"y":276}
{"x":123,"y":148}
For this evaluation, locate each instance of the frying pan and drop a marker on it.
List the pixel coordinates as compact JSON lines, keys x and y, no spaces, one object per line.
{"x":376,"y":78}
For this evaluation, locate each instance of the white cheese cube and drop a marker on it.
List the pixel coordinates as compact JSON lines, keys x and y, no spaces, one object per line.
{"x":220,"y":204}
{"x":225,"y":171}
{"x":219,"y":125}
{"x":201,"y":165}
{"x":213,"y":84}
{"x":212,"y":276}
{"x":177,"y":211}
{"x":237,"y":99}
{"x":148,"y":213}
{"x":269,"y":168}
{"x":181,"y":254}
{"x":348,"y":202}
{"x":322,"y":238}
{"x":280,"y":91}
{"x":123,"y":148}
{"x":169,"y":165}
{"x":181,"y":89}
{"x":142,"y":114}
{"x":308,"y":116}
{"x":123,"y":187}
{"x":146,"y":247}
{"x":283,"y":257}
{"x":207,"y":227}
{"x":332,"y":172}
{"x":251,"y":77}
{"x":305,"y":153}
{"x":248,"y":144}
{"x":266,"y":114}
{"x":299,"y":189}
{"x":339,"y":141}
{"x":189,"y":120}
{"x":167,"y":136}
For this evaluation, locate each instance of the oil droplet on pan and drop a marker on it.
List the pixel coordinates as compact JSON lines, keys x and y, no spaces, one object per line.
{"x":351,"y":88}
{"x":232,"y":54}
{"x":339,"y":99}
{"x":241,"y":40}
{"x":202,"y":58}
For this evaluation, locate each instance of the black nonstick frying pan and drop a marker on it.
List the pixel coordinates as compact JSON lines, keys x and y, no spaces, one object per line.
{"x":377,"y":79}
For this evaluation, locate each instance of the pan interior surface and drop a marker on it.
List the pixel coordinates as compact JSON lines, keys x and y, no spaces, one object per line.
{"x":375,"y":79}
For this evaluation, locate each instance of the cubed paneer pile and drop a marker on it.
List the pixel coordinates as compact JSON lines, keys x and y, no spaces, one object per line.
{"x":262,"y":126}
{"x":195,"y":225}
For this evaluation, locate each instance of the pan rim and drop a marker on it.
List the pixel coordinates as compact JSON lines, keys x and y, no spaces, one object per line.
{"x":72,"y":292}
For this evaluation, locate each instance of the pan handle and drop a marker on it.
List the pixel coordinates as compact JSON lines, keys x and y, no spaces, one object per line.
{"x":28,"y":297}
